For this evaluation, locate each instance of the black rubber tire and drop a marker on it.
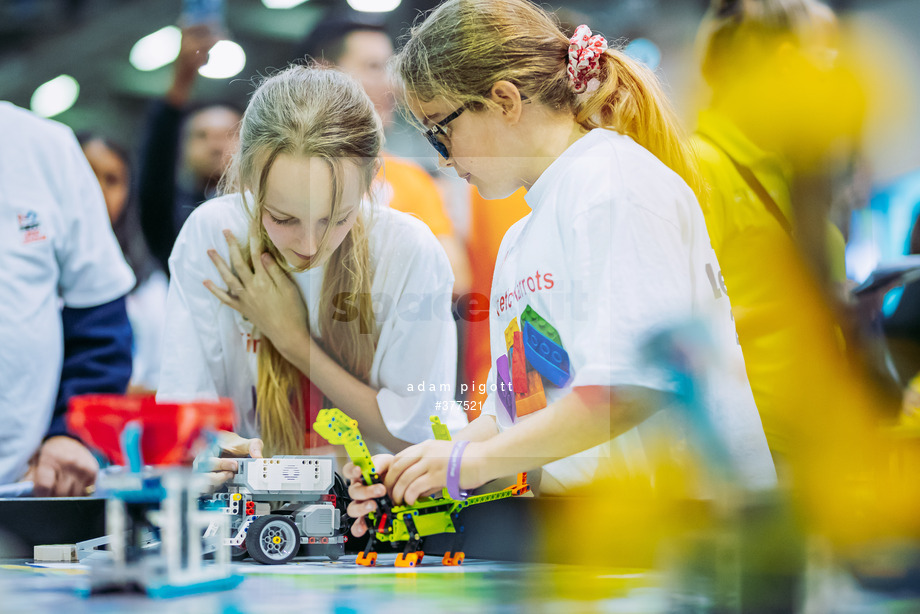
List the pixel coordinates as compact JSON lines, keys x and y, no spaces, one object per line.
{"x":261,"y":544}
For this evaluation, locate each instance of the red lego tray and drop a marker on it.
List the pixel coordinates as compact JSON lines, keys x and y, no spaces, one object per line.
{"x":169,"y":429}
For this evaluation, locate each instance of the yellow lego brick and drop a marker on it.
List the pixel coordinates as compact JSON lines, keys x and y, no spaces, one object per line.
{"x":509,"y":334}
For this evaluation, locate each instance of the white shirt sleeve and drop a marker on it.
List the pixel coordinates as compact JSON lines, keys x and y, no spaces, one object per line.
{"x":417,"y":351}
{"x":93,"y":269}
{"x":192,"y":366}
{"x":630,"y":278}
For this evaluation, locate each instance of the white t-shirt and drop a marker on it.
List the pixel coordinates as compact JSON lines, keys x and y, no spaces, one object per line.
{"x":615,"y":249}
{"x":56,"y":244}
{"x":210,"y":350}
{"x":146,"y":307}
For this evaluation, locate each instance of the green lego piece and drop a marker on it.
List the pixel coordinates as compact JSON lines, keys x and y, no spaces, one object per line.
{"x":540,"y":324}
{"x":440,"y":429}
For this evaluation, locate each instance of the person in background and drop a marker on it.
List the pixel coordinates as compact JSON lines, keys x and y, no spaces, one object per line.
{"x":752,"y":160}
{"x":185,"y":151}
{"x":489,"y":221}
{"x":63,"y":319}
{"x":146,"y":303}
{"x":361,"y":48}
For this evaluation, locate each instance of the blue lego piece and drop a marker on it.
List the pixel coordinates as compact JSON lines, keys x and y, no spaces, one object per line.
{"x":547,"y":357}
{"x":212,"y":504}
{"x":147,"y":494}
{"x":540,"y":324}
{"x":505,"y":391}
{"x":167,"y":591}
{"x":684,"y":351}
{"x":131,"y":446}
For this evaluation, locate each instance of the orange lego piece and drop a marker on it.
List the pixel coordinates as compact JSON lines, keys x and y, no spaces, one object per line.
{"x":453,"y":559}
{"x":521,"y":486}
{"x":368,"y":560}
{"x":534,"y":399}
{"x":407,"y":560}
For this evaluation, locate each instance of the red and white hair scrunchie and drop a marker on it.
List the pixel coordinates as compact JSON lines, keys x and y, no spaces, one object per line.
{"x":584,"y":57}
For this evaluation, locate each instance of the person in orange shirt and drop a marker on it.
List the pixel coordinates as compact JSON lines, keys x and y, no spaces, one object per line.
{"x":361,"y":48}
{"x":489,"y":221}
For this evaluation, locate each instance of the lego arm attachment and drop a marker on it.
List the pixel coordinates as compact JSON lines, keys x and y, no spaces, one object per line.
{"x":338,"y":429}
{"x":440,"y":429}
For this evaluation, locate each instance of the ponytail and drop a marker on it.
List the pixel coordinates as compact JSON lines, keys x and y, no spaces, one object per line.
{"x":630,"y":101}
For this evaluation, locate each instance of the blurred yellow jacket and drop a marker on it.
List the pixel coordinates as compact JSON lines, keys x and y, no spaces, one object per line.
{"x":758,"y":256}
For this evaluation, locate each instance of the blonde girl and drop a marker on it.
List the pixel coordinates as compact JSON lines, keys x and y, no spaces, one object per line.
{"x":614,"y":248}
{"x":324,"y":301}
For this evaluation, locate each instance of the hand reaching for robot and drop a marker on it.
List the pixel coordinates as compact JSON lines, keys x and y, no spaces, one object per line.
{"x":232,"y":446}
{"x":363,"y":495}
{"x":62,"y":467}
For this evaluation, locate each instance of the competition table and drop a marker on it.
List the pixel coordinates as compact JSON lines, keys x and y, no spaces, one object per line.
{"x":499,"y":574}
{"x":342,"y":587}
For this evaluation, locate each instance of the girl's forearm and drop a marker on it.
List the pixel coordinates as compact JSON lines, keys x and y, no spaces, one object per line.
{"x":585,"y":418}
{"x":480,"y":429}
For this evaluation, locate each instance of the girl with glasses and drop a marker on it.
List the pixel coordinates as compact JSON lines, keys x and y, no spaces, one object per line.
{"x":614,"y":249}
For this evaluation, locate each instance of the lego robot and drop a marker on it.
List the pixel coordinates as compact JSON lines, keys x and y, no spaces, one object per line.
{"x":405,"y":523}
{"x":306,"y":522}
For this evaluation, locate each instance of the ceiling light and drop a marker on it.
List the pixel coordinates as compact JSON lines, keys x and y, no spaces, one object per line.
{"x":282,"y":4}
{"x":157,"y":49}
{"x":374,"y":6}
{"x":225,"y":59}
{"x":55,"y":96}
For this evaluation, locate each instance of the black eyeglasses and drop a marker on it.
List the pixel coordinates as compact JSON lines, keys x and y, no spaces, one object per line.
{"x":438,"y":128}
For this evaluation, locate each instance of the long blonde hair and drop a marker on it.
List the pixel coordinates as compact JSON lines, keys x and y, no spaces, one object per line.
{"x":464,"y":47}
{"x":320,"y":113}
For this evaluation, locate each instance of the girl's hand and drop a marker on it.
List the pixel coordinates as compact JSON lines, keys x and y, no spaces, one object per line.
{"x":263,"y":293}
{"x":363,"y":495}
{"x":231,"y":445}
{"x":421,"y":470}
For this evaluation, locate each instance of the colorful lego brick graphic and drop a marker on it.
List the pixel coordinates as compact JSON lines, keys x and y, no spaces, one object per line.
{"x":546,"y":356}
{"x":532,"y":400}
{"x":541,"y":325}
{"x":509,"y":334}
{"x":518,"y":365}
{"x":505,"y":393}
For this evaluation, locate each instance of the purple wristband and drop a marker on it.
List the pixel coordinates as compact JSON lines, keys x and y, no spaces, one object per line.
{"x":453,"y":472}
